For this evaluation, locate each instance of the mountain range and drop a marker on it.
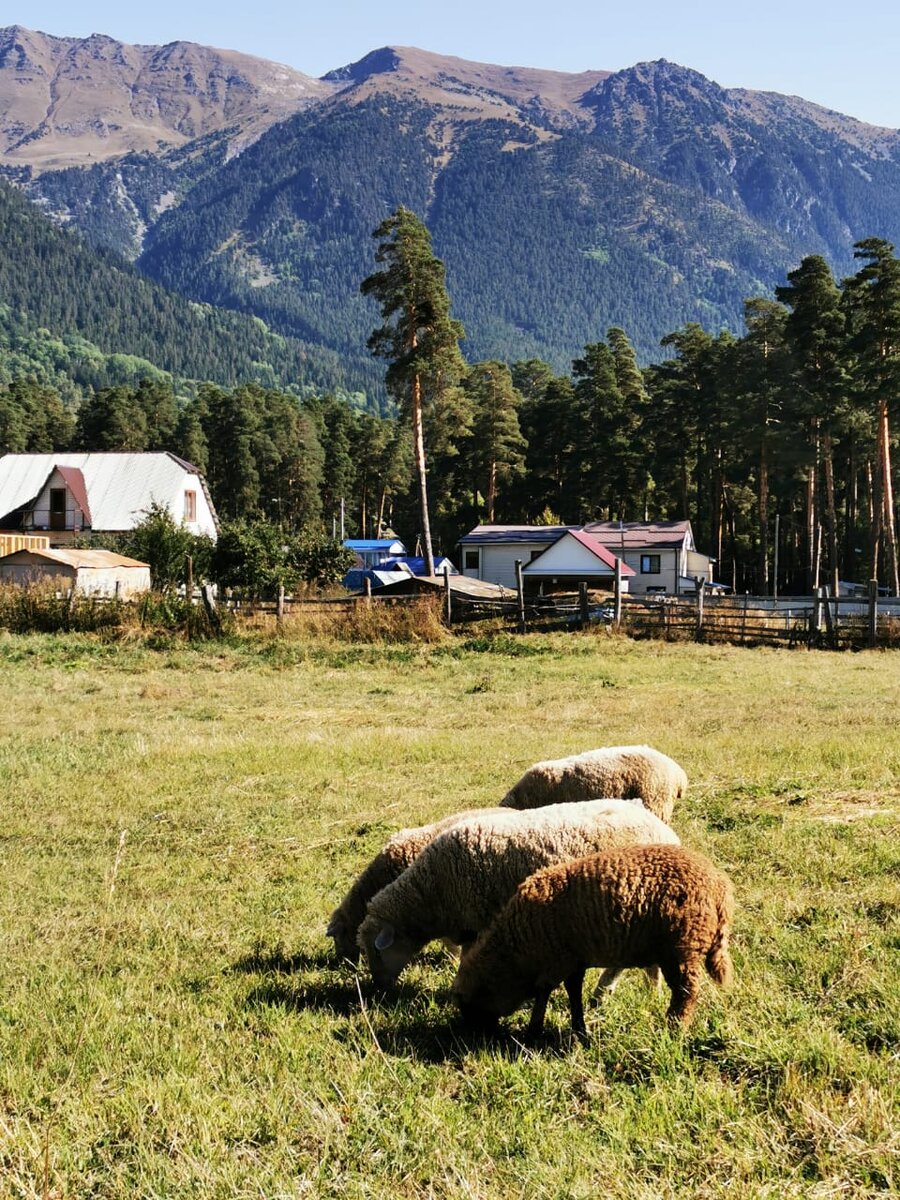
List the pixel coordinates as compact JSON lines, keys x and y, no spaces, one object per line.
{"x":561,"y":204}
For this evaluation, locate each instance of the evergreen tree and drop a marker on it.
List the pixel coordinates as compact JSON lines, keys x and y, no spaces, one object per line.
{"x":872,"y":297}
{"x":815,"y":338}
{"x":497,"y":446}
{"x":418,"y":339}
{"x":111,"y":419}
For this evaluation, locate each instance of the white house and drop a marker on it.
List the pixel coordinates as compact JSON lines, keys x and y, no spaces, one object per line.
{"x":65,"y":495}
{"x":575,"y":557}
{"x":661,"y":554}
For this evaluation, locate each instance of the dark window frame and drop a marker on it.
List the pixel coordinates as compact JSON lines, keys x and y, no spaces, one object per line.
{"x":647,"y":561}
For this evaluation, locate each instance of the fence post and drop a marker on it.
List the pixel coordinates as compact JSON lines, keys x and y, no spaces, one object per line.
{"x":873,"y":612}
{"x":448,"y":599}
{"x":830,"y":623}
{"x":279,"y":610}
{"x":367,"y":590}
{"x":209,"y":603}
{"x":617,"y":595}
{"x":583,"y":604}
{"x":520,"y":592}
{"x":701,"y":589}
{"x":815,"y":617}
{"x":189,"y":579}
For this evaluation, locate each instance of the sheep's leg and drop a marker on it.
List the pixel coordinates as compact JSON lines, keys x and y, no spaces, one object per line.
{"x":609,"y":977}
{"x":574,"y":985}
{"x":654,"y":978}
{"x":684,"y":980}
{"x":538,"y":1012}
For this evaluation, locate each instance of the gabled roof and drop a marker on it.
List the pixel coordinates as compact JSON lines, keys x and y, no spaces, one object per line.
{"x":638,"y":535}
{"x":121,"y":487}
{"x":594,"y":548}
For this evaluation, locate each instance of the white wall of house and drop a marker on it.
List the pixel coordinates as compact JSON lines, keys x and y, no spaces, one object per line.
{"x":654,"y":570}
{"x":497,"y":563}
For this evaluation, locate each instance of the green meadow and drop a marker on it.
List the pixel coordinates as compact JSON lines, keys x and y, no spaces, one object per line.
{"x":179,"y":822}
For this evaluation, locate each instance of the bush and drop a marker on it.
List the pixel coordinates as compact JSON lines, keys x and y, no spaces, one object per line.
{"x":256,"y":558}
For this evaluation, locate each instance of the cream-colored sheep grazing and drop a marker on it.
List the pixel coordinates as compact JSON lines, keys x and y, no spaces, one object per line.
{"x":461,"y":880}
{"x":638,"y":906}
{"x":391,"y":861}
{"x":626,"y":771}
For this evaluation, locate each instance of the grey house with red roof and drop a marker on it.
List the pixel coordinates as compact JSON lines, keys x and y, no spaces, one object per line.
{"x":661,"y":555}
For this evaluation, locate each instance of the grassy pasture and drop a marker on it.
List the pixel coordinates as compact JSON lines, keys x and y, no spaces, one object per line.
{"x":178,"y":824}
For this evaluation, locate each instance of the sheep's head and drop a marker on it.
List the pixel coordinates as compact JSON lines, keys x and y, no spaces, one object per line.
{"x":387,"y":949}
{"x":345,"y":946}
{"x":485,"y":990}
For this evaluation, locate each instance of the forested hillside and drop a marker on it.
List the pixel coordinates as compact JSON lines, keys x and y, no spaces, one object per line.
{"x":80,"y":316}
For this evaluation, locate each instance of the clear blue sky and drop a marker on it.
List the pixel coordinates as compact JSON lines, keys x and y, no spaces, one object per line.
{"x":842,"y":55}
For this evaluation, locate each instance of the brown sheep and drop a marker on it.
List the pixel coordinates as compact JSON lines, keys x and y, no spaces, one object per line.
{"x":638,"y":906}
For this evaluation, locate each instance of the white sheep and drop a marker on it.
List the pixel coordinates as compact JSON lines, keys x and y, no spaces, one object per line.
{"x":636,"y":906}
{"x":391,"y":861}
{"x":460,"y":881}
{"x":626,"y":771}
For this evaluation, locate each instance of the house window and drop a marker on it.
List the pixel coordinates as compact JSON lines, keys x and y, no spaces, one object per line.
{"x":649,"y":564}
{"x":536,"y":554}
{"x":190,"y":506}
{"x":656,"y":590}
{"x":471,"y":560}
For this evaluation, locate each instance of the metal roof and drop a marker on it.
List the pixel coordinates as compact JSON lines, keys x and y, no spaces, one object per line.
{"x":635,"y":535}
{"x":74,"y":558}
{"x":516,"y":533}
{"x":121,"y":487}
{"x":389,"y":544}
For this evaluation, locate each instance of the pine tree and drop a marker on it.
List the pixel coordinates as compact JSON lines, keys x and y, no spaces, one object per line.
{"x":497,"y":450}
{"x":419,"y":339}
{"x":872,"y":297}
{"x":816,"y":341}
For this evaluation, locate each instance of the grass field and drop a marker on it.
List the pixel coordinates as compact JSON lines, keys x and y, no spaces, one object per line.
{"x":179,"y":823}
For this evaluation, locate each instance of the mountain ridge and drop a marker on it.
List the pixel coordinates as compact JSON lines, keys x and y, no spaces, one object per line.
{"x":561,"y":204}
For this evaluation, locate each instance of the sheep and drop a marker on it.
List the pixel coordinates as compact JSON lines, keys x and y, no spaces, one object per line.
{"x":390,"y":861}
{"x":626,"y":771}
{"x":461,"y":880}
{"x":634,"y":906}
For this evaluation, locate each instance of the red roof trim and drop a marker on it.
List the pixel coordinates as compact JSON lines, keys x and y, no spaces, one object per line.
{"x":589,"y":543}
{"x":74,"y":481}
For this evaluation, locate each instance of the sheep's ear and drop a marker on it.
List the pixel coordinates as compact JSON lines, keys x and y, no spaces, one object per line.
{"x":385,"y":937}
{"x":333,"y":926}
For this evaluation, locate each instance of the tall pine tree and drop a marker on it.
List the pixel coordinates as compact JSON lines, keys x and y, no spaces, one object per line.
{"x":419,"y":339}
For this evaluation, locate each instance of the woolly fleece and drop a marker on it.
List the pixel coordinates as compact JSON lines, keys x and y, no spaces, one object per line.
{"x":639,"y":906}
{"x":460,"y":881}
{"x":626,"y":771}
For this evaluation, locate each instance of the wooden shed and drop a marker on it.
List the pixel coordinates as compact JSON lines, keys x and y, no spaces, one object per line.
{"x":89,"y":572}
